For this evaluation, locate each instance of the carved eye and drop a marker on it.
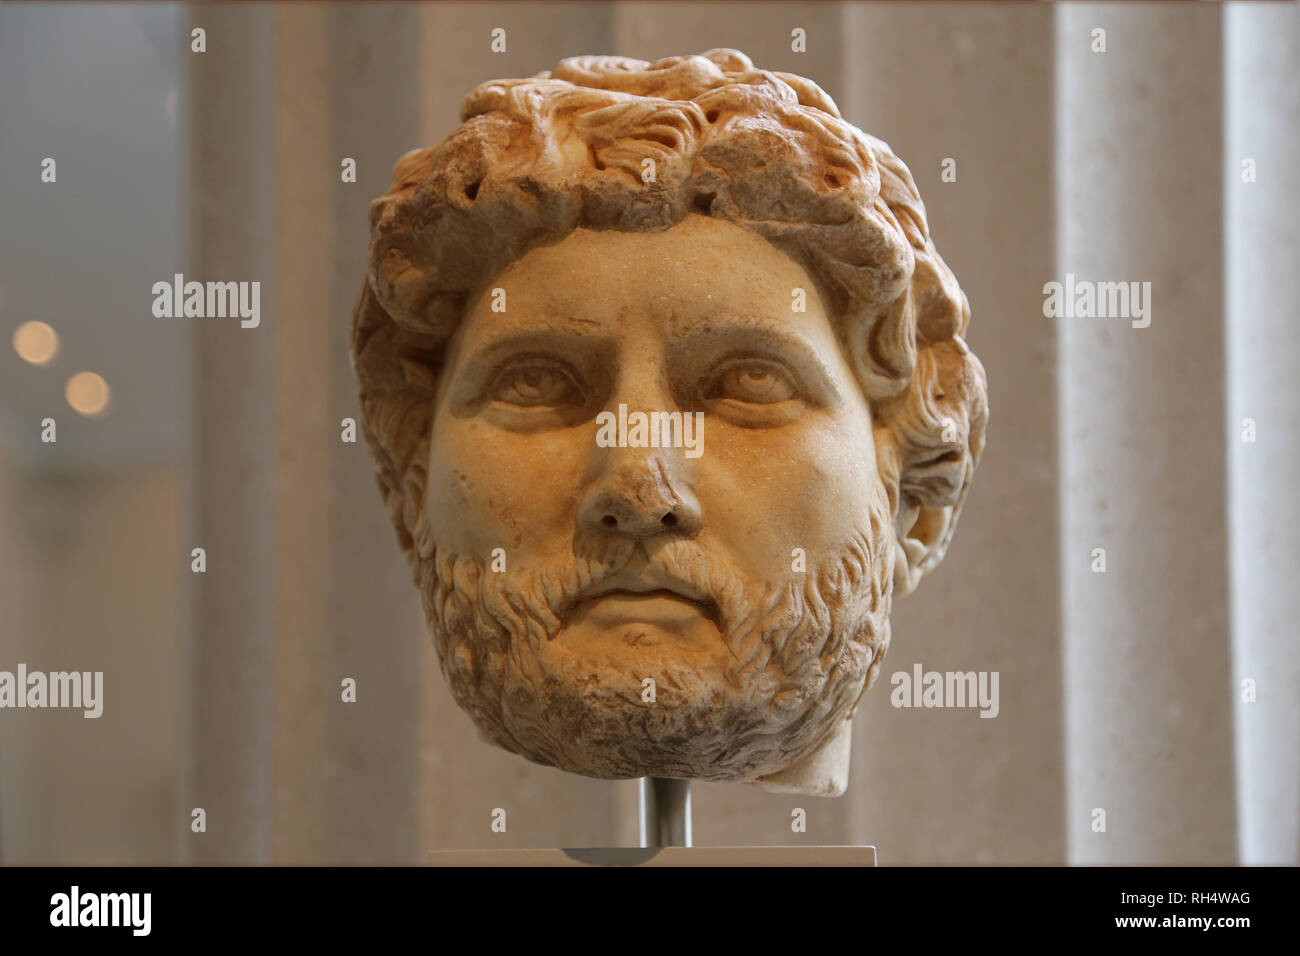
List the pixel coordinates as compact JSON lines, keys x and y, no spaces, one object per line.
{"x":536,"y":384}
{"x":753,"y":381}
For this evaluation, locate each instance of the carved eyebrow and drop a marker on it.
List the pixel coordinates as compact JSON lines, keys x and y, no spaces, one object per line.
{"x":566,"y":339}
{"x":763,"y":337}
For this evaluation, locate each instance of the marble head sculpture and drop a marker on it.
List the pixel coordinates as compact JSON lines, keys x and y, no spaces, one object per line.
{"x":667,"y":391}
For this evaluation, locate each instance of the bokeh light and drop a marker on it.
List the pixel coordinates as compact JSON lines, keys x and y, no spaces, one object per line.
{"x":87,"y":393}
{"x":36,"y":342}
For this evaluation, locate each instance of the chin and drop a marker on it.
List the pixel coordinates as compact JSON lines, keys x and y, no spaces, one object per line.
{"x":579,"y":701}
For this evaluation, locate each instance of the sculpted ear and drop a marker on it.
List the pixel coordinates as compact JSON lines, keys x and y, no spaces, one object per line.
{"x":937,"y":427}
{"x":923,"y":536}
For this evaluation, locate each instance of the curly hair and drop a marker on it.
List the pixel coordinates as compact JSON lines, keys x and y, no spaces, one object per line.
{"x":535,"y":159}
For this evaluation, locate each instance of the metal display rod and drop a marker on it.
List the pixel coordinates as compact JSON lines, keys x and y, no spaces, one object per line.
{"x":665,"y":811}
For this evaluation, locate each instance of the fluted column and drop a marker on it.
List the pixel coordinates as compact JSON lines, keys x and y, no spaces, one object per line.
{"x":1140,"y":173}
{"x":1262,"y":148}
{"x":345,"y":773}
{"x":229,"y":645}
{"x":304,"y":585}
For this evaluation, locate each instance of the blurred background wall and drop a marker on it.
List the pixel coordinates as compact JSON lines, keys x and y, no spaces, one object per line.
{"x":1120,"y":691}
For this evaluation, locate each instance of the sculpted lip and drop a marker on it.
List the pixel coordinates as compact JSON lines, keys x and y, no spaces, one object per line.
{"x":648,"y":597}
{"x":662,"y":607}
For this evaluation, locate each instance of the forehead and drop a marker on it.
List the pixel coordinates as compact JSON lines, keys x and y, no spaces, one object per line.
{"x":702,"y":274}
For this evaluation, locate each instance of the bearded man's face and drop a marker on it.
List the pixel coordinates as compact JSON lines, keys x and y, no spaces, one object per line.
{"x":712,"y":610}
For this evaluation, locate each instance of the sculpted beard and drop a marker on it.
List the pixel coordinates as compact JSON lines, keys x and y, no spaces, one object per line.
{"x":800,"y":657}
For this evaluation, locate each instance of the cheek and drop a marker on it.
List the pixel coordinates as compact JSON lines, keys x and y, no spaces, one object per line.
{"x":489,"y":488}
{"x":765,"y":492}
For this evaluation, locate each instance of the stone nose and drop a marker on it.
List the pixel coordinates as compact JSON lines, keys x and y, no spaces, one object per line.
{"x":639,"y":495}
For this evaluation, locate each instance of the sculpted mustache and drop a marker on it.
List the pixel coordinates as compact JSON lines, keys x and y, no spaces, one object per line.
{"x":791,"y":620}
{"x":790,"y":626}
{"x":548,"y":595}
{"x":681,"y":566}
{"x":685,"y":566}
